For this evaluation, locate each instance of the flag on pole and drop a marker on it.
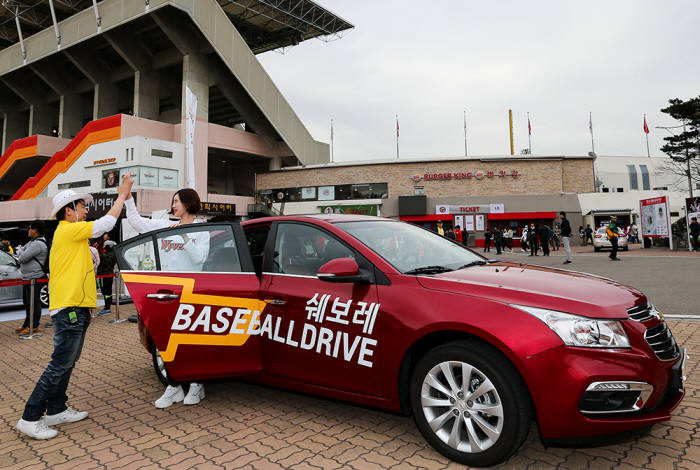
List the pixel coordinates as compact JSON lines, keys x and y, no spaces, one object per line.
{"x":646,"y":128}
{"x":529,"y":127}
{"x":397,"y":126}
{"x":590,"y":123}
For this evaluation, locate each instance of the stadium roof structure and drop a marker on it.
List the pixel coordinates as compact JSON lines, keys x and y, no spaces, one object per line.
{"x":264,"y":24}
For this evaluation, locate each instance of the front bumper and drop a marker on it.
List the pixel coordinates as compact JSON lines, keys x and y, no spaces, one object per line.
{"x":558,"y":379}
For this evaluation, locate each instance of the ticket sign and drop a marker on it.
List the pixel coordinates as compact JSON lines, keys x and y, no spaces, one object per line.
{"x":654,"y":214}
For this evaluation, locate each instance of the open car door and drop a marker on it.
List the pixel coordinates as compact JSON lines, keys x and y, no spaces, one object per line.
{"x":197,"y":294}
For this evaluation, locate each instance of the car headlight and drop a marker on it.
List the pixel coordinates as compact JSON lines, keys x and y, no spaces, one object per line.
{"x":575,"y":330}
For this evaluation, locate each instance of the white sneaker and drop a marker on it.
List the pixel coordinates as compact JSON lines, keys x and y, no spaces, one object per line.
{"x":171,"y":395}
{"x":194,"y":394}
{"x":69,"y":415}
{"x":36,"y":429}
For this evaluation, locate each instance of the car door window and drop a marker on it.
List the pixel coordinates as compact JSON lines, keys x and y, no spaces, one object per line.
{"x":186,"y":249}
{"x":140,"y":256}
{"x":198,"y":249}
{"x":302,"y":249}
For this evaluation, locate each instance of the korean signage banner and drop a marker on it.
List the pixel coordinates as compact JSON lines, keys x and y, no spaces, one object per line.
{"x":102,"y":203}
{"x":692,"y":209}
{"x":654,"y":214}
{"x":218,"y":208}
{"x":368,"y":209}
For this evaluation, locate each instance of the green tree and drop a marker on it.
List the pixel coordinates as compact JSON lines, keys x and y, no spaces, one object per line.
{"x":684,"y":148}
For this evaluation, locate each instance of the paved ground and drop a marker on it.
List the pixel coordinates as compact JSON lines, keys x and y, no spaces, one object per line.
{"x":668,"y":278}
{"x":247,"y":426}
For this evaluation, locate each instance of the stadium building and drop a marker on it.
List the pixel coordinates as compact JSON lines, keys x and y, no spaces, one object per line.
{"x":169,"y":90}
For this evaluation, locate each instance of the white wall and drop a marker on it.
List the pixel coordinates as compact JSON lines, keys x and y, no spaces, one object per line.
{"x":127,"y":152}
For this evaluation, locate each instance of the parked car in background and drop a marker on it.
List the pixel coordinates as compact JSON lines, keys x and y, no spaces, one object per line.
{"x":390,"y":315}
{"x":601,"y":242}
{"x":9,"y":271}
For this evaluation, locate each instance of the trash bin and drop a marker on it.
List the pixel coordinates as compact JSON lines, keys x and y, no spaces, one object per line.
{"x":647,"y":242}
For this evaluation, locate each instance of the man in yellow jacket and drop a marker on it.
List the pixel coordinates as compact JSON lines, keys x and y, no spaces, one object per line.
{"x":73,"y":293}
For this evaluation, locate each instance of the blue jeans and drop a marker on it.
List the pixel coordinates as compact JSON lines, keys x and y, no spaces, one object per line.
{"x":49,"y":395}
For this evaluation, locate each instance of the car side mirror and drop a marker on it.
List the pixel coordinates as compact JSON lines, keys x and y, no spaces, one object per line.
{"x":342,"y":270}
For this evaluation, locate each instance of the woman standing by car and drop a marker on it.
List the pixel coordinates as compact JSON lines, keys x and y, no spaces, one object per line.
{"x":185,"y":205}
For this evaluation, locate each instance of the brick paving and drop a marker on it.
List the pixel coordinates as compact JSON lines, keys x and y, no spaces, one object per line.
{"x":247,"y":426}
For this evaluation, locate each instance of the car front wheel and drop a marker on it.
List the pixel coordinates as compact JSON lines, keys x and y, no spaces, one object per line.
{"x":470,"y":403}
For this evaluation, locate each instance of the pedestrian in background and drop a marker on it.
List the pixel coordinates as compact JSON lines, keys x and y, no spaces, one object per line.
{"x":612,"y":232}
{"x":487,"y":241}
{"x":532,"y":240}
{"x":33,"y":264}
{"x":588,"y":234}
{"x":73,"y":294}
{"x":566,"y":237}
{"x":694,"y":233}
{"x":440,"y":230}
{"x":106,"y":268}
{"x":498,"y":239}
{"x":523,"y":240}
{"x":543,"y":233}
{"x":6,"y":246}
{"x":458,"y":234}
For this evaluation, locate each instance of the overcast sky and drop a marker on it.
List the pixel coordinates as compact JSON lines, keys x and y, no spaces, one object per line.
{"x":428,"y":61}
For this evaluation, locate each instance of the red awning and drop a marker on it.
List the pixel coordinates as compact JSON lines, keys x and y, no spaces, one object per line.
{"x":522,"y":215}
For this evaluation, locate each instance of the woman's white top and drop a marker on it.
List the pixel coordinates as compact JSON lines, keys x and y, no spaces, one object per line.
{"x":177,"y":253}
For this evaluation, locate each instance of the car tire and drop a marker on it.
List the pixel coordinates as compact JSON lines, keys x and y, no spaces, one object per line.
{"x":159,"y":367}
{"x":479,"y":438}
{"x":44,"y":295}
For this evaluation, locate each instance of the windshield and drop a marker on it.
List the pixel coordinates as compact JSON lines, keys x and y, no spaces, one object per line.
{"x":411,"y":249}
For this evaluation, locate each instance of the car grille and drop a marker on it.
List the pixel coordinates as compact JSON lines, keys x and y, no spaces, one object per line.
{"x":662,"y":343}
{"x":640,"y":312}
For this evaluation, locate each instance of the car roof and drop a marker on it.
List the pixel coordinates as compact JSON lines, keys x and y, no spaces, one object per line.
{"x":329,"y":218}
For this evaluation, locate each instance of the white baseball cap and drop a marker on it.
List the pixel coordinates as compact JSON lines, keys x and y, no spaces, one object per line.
{"x":67,"y":196}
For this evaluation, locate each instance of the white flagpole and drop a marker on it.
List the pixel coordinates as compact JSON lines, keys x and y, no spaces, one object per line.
{"x":397,"y":136}
{"x":331,"y":140}
{"x":590,"y":127}
{"x":465,"y":132}
{"x":646,"y":133}
{"x":529,"y":133}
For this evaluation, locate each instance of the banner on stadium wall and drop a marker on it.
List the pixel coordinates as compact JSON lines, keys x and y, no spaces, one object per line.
{"x":654,"y":215}
{"x":367,"y":209}
{"x":190,"y":122}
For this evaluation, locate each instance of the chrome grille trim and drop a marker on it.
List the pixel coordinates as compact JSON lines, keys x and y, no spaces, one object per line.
{"x":661,"y":341}
{"x":641,"y":312}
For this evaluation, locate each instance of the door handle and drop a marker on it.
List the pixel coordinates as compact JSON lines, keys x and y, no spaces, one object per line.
{"x":162,"y":296}
{"x":276,"y":302}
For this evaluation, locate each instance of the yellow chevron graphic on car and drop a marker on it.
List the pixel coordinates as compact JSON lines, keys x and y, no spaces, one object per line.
{"x":188,"y":296}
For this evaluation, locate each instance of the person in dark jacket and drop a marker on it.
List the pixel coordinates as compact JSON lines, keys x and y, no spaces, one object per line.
{"x":487,"y":241}
{"x":532,"y":240}
{"x":33,"y":263}
{"x":694,"y":233}
{"x":498,"y":239}
{"x":543,"y":232}
{"x":107,"y":262}
{"x":566,"y":237}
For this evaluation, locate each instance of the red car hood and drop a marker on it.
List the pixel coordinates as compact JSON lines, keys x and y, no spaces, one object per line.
{"x":537,"y":286}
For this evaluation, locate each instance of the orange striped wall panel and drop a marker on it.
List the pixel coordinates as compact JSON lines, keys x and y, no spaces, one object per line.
{"x":20,"y":148}
{"x":94,"y":132}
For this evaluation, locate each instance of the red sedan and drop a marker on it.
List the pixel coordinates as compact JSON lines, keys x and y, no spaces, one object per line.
{"x":387,"y":314}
